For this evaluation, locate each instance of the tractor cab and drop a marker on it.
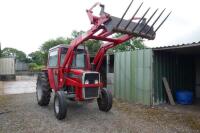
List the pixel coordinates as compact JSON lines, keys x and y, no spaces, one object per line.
{"x":80,"y":82}
{"x":56,"y":59}
{"x":57,"y":56}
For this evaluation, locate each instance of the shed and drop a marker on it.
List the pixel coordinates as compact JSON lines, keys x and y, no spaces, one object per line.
{"x":7,"y":69}
{"x":138,"y":74}
{"x":20,"y":66}
{"x":180,"y":64}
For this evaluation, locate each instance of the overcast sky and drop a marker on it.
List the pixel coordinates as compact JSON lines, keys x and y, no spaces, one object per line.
{"x":26,"y":24}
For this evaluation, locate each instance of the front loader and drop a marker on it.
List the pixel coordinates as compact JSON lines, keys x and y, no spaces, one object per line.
{"x":69,"y":72}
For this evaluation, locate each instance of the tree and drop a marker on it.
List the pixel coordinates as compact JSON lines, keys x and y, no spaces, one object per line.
{"x":92,"y":45}
{"x":75,"y":33}
{"x":12,"y":52}
{"x":37,"y":57}
{"x":132,"y":44}
{"x":32,"y":66}
{"x":51,"y":43}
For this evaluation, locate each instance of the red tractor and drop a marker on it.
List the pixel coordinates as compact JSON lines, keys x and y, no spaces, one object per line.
{"x":69,"y":72}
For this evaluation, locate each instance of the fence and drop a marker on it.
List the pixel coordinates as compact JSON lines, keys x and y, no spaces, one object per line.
{"x":133,"y":76}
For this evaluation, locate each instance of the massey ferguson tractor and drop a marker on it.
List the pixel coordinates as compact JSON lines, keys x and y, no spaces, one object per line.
{"x":69,"y":72}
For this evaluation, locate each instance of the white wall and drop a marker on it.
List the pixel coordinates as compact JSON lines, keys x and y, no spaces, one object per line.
{"x":7,"y":66}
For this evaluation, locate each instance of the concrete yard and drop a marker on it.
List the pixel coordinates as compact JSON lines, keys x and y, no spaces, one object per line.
{"x":19,"y":112}
{"x":23,"y":84}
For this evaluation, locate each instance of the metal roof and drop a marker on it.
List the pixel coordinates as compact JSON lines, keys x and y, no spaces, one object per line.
{"x":190,"y":48}
{"x":178,"y":46}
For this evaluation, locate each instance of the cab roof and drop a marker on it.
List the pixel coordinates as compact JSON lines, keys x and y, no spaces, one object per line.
{"x":66,"y":46}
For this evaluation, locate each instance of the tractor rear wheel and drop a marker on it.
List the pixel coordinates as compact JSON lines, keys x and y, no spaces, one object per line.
{"x":60,"y":108}
{"x":43,"y":90}
{"x":105,"y":100}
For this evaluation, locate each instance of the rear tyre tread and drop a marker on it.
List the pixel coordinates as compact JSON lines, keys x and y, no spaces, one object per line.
{"x":43,"y":82}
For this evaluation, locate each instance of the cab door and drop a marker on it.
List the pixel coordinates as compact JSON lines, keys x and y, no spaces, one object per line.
{"x":53,"y":68}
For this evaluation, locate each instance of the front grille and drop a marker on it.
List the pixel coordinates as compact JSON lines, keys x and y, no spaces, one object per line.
{"x":91,"y":92}
{"x":91,"y":77}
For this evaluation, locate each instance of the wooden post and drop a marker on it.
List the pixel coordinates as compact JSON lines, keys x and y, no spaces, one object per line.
{"x":168,"y":90}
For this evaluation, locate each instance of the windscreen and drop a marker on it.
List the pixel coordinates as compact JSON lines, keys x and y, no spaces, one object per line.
{"x":78,"y":59}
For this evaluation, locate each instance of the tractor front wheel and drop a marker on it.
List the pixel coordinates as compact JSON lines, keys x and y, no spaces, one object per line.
{"x":43,"y":90}
{"x":105,"y":100}
{"x":60,"y":108}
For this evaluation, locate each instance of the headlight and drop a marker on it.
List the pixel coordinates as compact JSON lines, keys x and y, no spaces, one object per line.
{"x":86,"y":82}
{"x":96,"y":81}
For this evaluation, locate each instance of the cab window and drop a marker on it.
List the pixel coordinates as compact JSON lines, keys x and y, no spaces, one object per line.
{"x":53,"y":58}
{"x":62,"y":55}
{"x":79,"y":60}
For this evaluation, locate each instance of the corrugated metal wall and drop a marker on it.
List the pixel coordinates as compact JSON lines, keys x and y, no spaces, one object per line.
{"x":21,"y":66}
{"x":7,"y":66}
{"x":133,"y":76}
{"x":178,"y":69}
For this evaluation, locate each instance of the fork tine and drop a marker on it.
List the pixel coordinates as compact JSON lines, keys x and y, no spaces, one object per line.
{"x":124,"y":13}
{"x":155,"y":21}
{"x":148,"y":21}
{"x":162,"y":22}
{"x":133,"y":16}
{"x":141,"y":19}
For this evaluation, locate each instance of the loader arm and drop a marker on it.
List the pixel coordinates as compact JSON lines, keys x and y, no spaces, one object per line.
{"x":97,"y":62}
{"x":97,"y":22}
{"x":105,"y":26}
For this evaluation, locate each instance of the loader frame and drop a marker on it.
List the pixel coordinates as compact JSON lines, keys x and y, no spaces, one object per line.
{"x":76,"y":82}
{"x":103,"y":28}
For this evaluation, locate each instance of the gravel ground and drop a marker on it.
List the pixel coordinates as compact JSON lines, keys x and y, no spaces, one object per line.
{"x":20,"y":113}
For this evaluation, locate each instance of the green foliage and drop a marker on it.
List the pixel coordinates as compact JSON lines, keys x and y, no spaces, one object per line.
{"x":132,"y":44}
{"x":92,"y":45}
{"x":40,"y":57}
{"x":12,"y":52}
{"x":33,"y":67}
{"x":51,"y":43}
{"x":37,"y":57}
{"x":75,"y":33}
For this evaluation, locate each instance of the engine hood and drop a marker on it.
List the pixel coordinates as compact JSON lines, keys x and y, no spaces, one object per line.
{"x":81,"y":71}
